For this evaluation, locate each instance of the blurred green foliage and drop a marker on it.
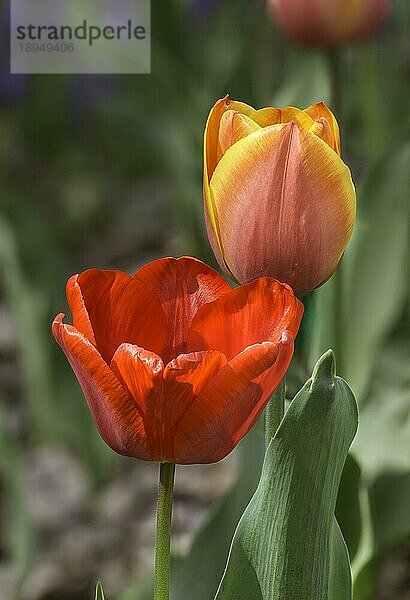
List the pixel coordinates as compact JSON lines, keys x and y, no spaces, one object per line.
{"x":78,"y":153}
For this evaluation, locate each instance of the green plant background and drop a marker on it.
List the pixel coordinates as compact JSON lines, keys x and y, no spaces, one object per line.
{"x":106,"y":171}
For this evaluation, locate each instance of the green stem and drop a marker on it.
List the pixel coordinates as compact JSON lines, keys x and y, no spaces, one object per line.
{"x":338,"y":318}
{"x":335,"y":68}
{"x":274,"y":412}
{"x":336,"y":98}
{"x":163,"y":532}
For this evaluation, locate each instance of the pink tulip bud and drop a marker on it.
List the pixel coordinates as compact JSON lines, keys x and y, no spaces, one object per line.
{"x":279,"y":200}
{"x":329,"y":22}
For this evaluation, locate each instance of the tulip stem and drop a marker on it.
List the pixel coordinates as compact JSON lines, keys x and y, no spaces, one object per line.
{"x":274,"y":412}
{"x":163,"y":531}
{"x":336,"y":98}
{"x":335,"y":77}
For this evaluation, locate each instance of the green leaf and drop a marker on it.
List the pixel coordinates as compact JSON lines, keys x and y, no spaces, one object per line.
{"x":287,"y":544}
{"x":382,"y":448}
{"x":340,"y":579}
{"x":30,"y":310}
{"x":18,"y":529}
{"x":307,"y":80}
{"x":348,"y":512}
{"x":99,"y":592}
{"x":386,"y":518}
{"x":386,"y":415}
{"x":275,"y":411}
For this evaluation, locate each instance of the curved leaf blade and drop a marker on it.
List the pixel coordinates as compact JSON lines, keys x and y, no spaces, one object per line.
{"x":288,"y":542}
{"x":99,"y":592}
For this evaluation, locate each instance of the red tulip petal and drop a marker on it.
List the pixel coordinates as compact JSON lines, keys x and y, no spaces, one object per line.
{"x":253,"y":313}
{"x":247,"y":365}
{"x":81,"y":320}
{"x":163,"y":396}
{"x":119,"y":309}
{"x":231,"y":402}
{"x":182,"y":286}
{"x":141,"y":373}
{"x":115,"y":413}
{"x":184,"y":379}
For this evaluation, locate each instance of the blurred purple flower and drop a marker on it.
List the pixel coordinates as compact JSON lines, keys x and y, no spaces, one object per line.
{"x":12,"y":87}
{"x":203,"y":8}
{"x":86,"y":90}
{"x":205,"y":5}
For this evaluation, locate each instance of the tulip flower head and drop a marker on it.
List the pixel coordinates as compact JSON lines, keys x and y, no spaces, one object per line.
{"x":329,"y":22}
{"x":279,"y":200}
{"x":175,"y":365}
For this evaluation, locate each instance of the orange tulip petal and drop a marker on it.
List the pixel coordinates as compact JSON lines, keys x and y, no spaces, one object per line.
{"x":300,"y":239}
{"x":291,"y":113}
{"x":211,"y":134}
{"x":322,"y":129}
{"x":253,"y":313}
{"x":267,"y":116}
{"x":234,"y":127}
{"x":211,"y":157}
{"x":321,"y":111}
{"x":228,"y":406}
{"x":115,"y":413}
{"x":181,"y":286}
{"x":119,"y":310}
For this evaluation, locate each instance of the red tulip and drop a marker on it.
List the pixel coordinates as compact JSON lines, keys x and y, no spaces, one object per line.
{"x":175,"y":365}
{"x":329,"y":22}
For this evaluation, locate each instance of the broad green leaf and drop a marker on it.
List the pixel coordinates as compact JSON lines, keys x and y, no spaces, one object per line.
{"x":275,"y":411}
{"x":377,"y":270}
{"x":18,"y":530}
{"x":340,"y":578}
{"x":382,"y":447}
{"x":386,"y":525}
{"x":99,"y":592}
{"x":390,"y":501}
{"x":348,"y":504}
{"x":374,"y":274}
{"x":382,"y":444}
{"x":30,"y":309}
{"x":287,"y":545}
{"x":307,"y":80}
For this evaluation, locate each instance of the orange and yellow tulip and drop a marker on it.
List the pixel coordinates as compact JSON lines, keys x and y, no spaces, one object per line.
{"x":279,"y":200}
{"x":175,"y":365}
{"x":329,"y":22}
